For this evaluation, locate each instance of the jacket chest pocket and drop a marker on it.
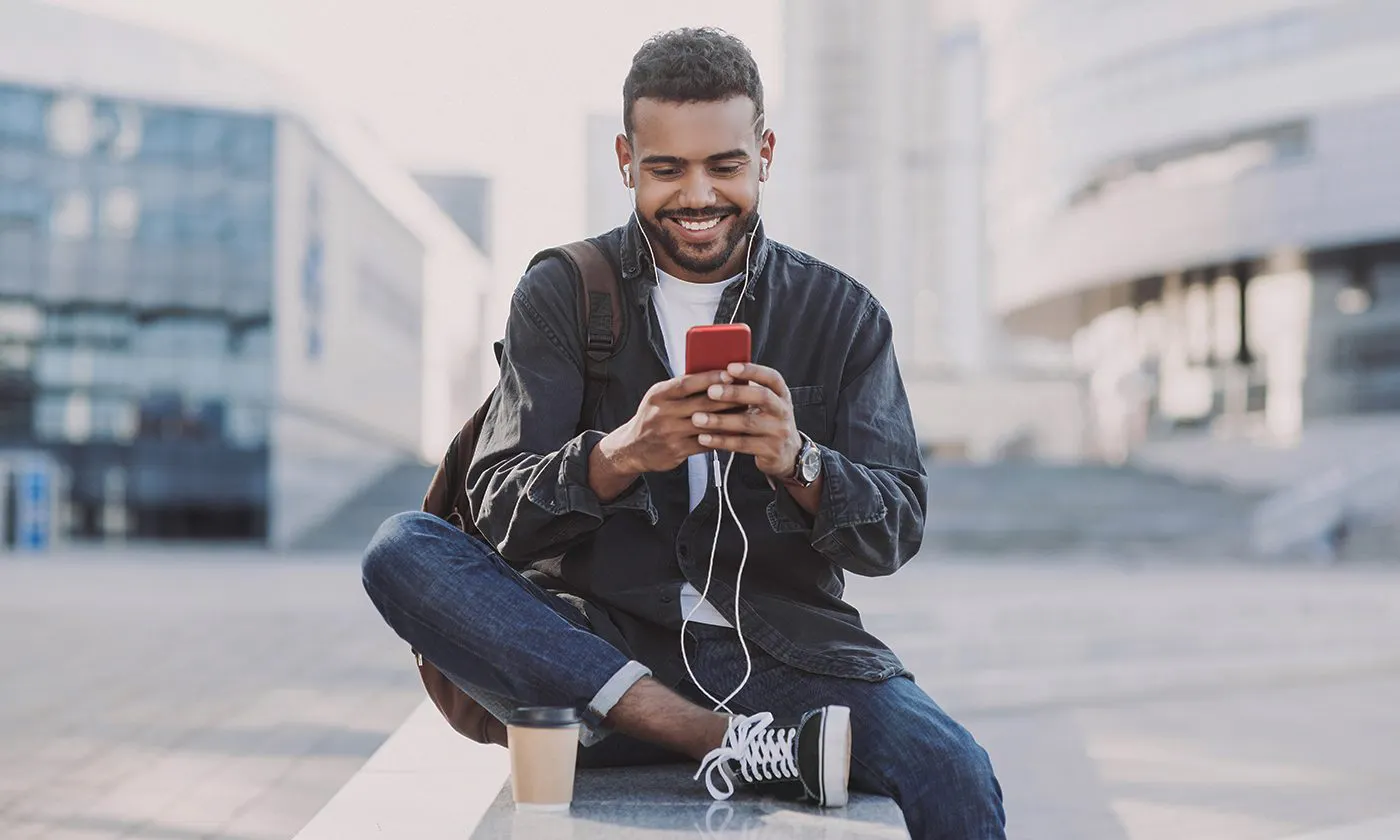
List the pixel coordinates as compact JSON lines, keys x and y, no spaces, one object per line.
{"x":809,"y":410}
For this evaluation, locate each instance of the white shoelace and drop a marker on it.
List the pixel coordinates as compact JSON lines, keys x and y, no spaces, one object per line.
{"x":761,"y":753}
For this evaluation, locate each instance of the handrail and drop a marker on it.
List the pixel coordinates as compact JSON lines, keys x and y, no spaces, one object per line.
{"x":1310,"y":510}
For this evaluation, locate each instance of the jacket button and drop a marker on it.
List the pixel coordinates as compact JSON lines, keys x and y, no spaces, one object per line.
{"x":666,"y":599}
{"x":684,"y":551}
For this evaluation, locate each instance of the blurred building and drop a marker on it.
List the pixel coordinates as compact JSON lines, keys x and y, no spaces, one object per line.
{"x":222,"y":311}
{"x":466,"y":198}
{"x":854,"y":174}
{"x":879,"y":170}
{"x":1204,"y":198}
{"x":608,"y":202}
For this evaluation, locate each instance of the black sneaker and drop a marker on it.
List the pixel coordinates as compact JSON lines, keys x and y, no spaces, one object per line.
{"x":805,"y":759}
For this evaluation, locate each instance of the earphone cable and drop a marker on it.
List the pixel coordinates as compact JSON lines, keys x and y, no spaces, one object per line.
{"x":721,"y":485}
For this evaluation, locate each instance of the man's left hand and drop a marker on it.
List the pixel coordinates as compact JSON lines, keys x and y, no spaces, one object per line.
{"x":766,"y":429}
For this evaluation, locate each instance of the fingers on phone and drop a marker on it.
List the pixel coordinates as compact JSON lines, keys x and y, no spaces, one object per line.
{"x":698,"y":383}
{"x":740,"y":393}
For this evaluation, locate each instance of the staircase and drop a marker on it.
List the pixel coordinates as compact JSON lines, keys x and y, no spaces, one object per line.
{"x":1026,"y":508}
{"x":351,"y":526}
{"x":1376,"y":538}
{"x":1012,"y":508}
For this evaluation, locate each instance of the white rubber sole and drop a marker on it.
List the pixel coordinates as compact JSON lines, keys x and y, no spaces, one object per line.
{"x":836,"y":756}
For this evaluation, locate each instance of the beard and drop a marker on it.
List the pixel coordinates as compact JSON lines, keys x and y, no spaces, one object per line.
{"x":700,"y":259}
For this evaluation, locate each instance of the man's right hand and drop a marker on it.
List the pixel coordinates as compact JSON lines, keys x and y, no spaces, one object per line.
{"x":659,"y":437}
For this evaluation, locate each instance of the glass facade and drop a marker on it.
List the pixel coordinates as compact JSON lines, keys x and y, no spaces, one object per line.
{"x":1266,"y":348}
{"x":1201,"y":195}
{"x":135,"y":309}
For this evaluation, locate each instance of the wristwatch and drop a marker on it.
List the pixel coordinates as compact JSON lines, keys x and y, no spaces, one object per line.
{"x":809,"y":464}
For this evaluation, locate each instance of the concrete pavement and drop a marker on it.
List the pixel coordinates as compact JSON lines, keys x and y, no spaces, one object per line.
{"x":1168,"y":700}
{"x":187,"y":694}
{"x":182,"y":695}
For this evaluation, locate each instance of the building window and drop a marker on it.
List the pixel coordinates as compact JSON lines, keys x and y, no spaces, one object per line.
{"x":22,"y":117}
{"x":1226,"y":292}
{"x":162,"y":136}
{"x":120,"y":213}
{"x":118,"y":130}
{"x":24,"y":205}
{"x":70,"y":126}
{"x":205,"y":139}
{"x":248,"y":148}
{"x":72,"y":216}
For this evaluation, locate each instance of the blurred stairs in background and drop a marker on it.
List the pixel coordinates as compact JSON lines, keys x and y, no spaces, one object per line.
{"x":1372,"y":539}
{"x":1013,"y":508}
{"x":1022,"y":508}
{"x":352,"y":525}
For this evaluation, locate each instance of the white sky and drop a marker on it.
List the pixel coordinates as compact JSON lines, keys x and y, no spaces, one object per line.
{"x":499,"y":88}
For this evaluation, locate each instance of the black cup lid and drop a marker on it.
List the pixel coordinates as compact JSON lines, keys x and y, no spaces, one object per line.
{"x":544,"y":716}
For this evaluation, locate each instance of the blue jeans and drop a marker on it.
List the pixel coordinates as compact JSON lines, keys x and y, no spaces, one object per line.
{"x":509,"y":643}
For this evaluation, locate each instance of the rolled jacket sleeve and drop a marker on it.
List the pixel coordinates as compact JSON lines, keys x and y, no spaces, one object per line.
{"x":528,"y":482}
{"x":874,"y":497}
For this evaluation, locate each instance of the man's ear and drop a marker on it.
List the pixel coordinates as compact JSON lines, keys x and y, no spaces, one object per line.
{"x":624,"y":160}
{"x":765,"y":154}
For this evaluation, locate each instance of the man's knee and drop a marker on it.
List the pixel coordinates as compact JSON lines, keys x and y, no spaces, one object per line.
{"x":955,"y":782}
{"x":394,"y":559}
{"x":939,"y":774}
{"x":967,"y":764}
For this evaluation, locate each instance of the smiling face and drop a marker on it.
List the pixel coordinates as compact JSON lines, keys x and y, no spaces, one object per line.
{"x":697,"y":167}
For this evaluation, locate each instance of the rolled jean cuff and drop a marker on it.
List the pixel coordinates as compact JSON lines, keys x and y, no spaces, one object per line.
{"x":607,"y":697}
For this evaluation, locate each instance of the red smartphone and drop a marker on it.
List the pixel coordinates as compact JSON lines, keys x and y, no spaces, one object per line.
{"x":716,"y":346}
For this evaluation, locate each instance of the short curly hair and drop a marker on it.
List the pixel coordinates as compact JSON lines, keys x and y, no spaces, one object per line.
{"x":692,"y":65}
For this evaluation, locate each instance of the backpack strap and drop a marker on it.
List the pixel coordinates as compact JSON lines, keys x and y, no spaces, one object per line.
{"x":600,"y":315}
{"x":601,"y":301}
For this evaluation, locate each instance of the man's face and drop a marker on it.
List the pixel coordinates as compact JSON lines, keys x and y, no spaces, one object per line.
{"x":696,"y":167}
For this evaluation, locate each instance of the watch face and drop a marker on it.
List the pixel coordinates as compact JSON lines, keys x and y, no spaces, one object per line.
{"x":811,"y":463}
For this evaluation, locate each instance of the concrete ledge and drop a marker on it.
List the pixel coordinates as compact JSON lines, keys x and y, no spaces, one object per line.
{"x":426,"y":783}
{"x":665,"y":802}
{"x":429,"y":783}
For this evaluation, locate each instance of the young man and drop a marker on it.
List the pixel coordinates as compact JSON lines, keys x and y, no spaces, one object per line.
{"x":822,"y":471}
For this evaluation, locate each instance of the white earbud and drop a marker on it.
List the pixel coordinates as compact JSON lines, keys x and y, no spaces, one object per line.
{"x":627,"y":177}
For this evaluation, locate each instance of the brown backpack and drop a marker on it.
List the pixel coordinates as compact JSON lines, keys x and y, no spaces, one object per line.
{"x":601,"y":316}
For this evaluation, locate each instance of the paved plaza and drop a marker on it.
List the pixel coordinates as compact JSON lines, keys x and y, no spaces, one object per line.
{"x":176,"y":695}
{"x":180,"y":694}
{"x":1169,"y":701}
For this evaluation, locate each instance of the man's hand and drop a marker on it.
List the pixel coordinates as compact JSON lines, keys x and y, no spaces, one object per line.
{"x":659,"y":437}
{"x":767,"y":430}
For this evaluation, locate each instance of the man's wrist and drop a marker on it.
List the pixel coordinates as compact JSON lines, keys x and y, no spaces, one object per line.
{"x":608,"y":475}
{"x":808,"y":498}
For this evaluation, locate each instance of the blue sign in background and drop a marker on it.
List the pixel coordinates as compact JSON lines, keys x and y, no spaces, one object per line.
{"x":33,"y":508}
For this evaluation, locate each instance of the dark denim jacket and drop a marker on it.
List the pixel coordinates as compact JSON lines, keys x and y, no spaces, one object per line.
{"x":831,"y":340}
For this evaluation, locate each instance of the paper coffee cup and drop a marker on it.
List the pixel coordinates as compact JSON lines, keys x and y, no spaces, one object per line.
{"x":543,"y":749}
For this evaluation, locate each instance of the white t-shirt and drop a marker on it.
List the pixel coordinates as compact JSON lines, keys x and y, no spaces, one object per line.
{"x":679,"y":306}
